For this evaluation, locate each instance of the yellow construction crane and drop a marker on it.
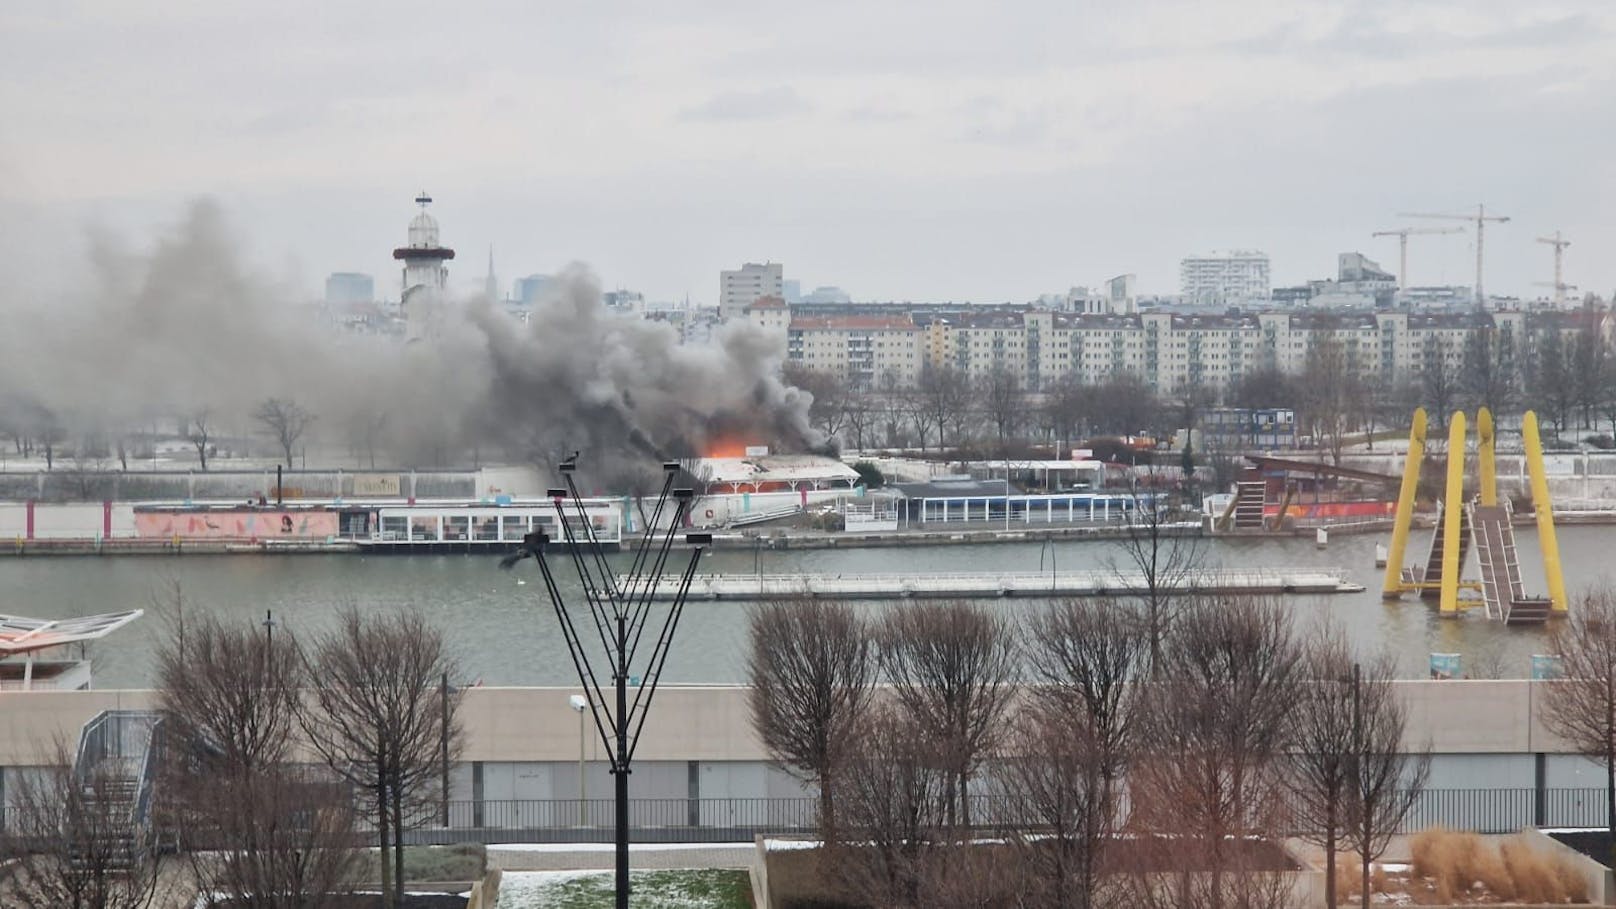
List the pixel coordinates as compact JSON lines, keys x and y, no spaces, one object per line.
{"x":1402,"y":246}
{"x":1480,"y":218}
{"x":1560,"y":287}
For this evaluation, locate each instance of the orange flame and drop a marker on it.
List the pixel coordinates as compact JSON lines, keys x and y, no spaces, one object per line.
{"x":726,"y":447}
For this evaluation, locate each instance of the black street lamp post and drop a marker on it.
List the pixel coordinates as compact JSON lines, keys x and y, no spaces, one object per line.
{"x":619,"y":610}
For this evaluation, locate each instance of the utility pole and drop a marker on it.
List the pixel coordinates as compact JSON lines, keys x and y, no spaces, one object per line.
{"x":443,"y":744}
{"x":1559,"y":276}
{"x":1480,"y":218}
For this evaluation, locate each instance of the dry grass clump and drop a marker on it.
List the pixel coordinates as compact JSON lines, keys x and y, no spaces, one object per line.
{"x":1347,"y":876}
{"x":1456,"y":862}
{"x":1462,"y":865}
{"x":1543,"y":878}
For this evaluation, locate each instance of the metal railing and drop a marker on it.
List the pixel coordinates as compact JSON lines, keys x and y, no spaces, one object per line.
{"x":740,"y":819}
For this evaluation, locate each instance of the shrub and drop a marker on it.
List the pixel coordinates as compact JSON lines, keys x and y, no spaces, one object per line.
{"x":870,"y":475}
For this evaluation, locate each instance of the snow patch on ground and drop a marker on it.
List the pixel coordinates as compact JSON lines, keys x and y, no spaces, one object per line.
{"x":544,"y":889}
{"x":790,"y":845}
{"x":606,"y":847}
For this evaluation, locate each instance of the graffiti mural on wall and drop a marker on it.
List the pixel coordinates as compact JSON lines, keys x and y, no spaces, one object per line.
{"x":237,"y":524}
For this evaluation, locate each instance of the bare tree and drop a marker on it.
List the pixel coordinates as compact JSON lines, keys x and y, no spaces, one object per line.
{"x":1004,"y":402}
{"x":300,"y":824}
{"x":1439,"y":381}
{"x":377,"y":715}
{"x":1554,"y":384}
{"x":45,"y":427}
{"x":67,"y":841}
{"x":1320,"y":770}
{"x":1087,"y":658}
{"x":263,"y":832}
{"x":1066,"y":402}
{"x":200,"y":433}
{"x":1330,"y":382}
{"x":1163,"y":554}
{"x":1488,"y":376}
{"x":859,"y":415}
{"x":1265,"y":387}
{"x":951,"y":666}
{"x":366,"y":433}
{"x":1385,"y":776}
{"x":1353,"y":777}
{"x":286,"y":421}
{"x":828,"y":411}
{"x":811,"y":667}
{"x":1214,"y":727}
{"x":1124,"y":404}
{"x":893,"y":792}
{"x":1589,"y":363}
{"x":941,"y":400}
{"x":1072,"y":744}
{"x":1580,"y":707}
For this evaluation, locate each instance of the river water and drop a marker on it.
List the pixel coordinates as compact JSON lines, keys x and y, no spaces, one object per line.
{"x":504,"y":632}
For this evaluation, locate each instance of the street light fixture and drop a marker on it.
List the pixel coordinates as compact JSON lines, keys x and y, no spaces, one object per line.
{"x":580,"y":704}
{"x":619,"y":611}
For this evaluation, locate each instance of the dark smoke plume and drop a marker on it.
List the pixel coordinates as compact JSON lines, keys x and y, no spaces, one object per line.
{"x":185,"y":328}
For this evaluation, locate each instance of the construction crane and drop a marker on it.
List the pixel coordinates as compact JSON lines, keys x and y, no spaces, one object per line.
{"x":1402,"y":246}
{"x":1560,"y":287}
{"x":1481,"y":218}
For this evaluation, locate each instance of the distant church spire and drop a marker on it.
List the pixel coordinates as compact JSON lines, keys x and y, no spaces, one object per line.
{"x":491,"y":284}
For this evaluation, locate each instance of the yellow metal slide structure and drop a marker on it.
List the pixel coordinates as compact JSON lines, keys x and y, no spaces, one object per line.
{"x":1545,"y":514}
{"x":1393,"y":585}
{"x":1452,"y":516}
{"x":1484,"y":448}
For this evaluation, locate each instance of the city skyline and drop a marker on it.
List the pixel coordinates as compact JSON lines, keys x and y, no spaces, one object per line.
{"x":973,"y":154}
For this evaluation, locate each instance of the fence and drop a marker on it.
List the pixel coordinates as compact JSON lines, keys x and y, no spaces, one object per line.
{"x":739,"y":820}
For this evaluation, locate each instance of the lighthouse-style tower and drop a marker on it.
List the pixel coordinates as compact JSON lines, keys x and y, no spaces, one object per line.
{"x":425,"y":275}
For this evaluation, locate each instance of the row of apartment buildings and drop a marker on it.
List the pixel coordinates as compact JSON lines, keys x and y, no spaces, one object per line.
{"x":1170,"y":351}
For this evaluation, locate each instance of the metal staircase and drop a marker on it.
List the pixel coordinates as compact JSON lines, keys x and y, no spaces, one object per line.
{"x":1501,"y":586}
{"x":1433,"y":563}
{"x":1249,"y":498}
{"x":113,"y":775}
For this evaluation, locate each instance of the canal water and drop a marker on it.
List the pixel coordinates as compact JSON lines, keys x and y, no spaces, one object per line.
{"x":504,"y":632}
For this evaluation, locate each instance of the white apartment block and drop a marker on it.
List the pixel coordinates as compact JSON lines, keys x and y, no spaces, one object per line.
{"x":1171,"y":352}
{"x":741,"y":287}
{"x":769,"y":313}
{"x":1225,"y":278}
{"x":866,"y":351}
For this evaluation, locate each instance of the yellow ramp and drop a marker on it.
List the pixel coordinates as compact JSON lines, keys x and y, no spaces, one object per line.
{"x":1393,"y":584}
{"x":1545,"y":513}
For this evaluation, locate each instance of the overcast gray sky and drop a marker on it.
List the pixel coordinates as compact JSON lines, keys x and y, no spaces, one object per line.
{"x":925,"y":151}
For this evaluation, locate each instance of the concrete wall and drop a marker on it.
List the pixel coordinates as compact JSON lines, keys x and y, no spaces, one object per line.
{"x":713,"y":723}
{"x":523,"y":743}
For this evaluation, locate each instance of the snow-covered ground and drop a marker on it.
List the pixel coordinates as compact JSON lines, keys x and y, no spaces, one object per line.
{"x":587,"y":889}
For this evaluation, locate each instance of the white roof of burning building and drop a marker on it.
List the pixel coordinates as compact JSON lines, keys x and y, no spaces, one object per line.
{"x":794,"y":468}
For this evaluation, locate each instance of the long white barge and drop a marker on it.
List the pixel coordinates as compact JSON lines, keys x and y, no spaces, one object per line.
{"x":1092,"y":583}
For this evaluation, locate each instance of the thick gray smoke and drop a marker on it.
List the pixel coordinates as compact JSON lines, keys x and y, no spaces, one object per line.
{"x":185,"y":328}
